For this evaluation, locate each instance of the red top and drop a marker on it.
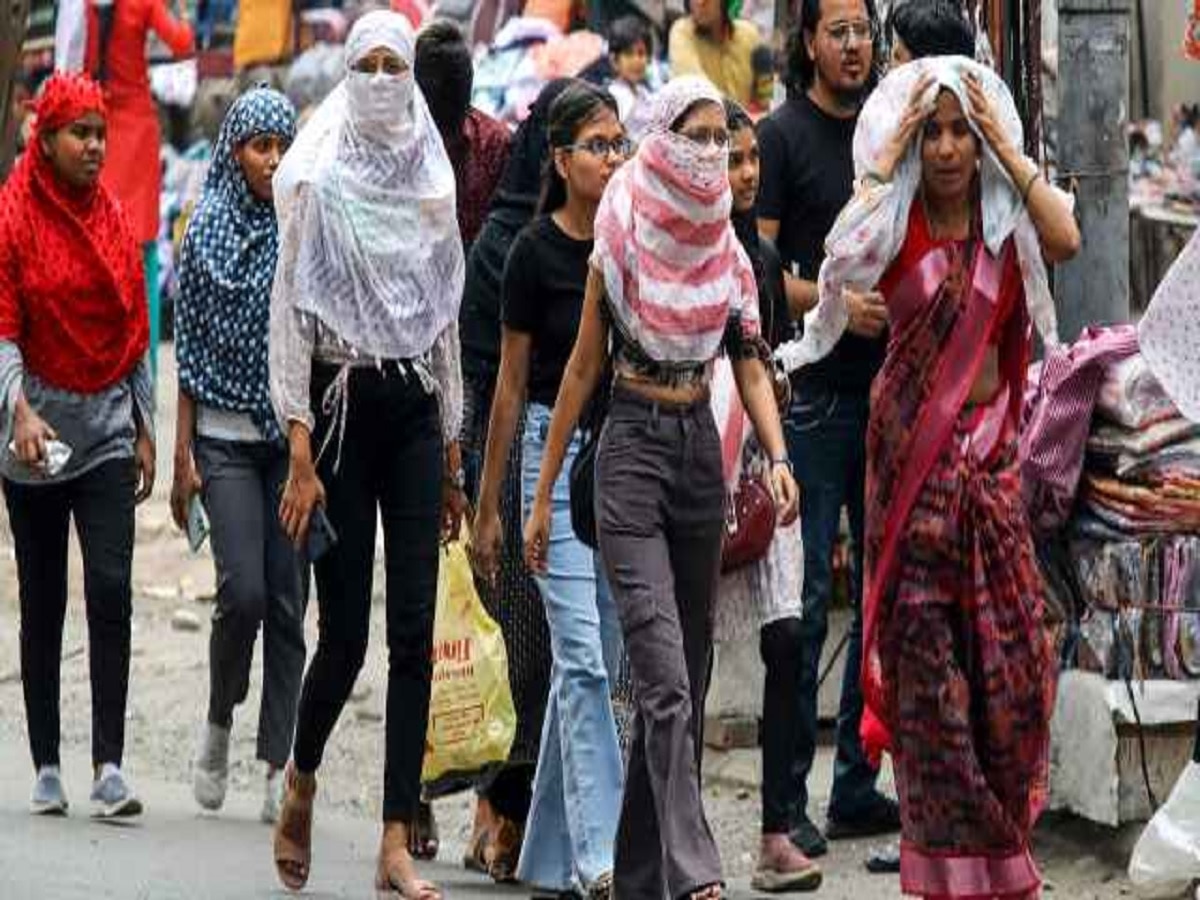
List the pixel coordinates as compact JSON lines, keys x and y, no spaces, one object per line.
{"x":918,"y":242}
{"x":131,"y":169}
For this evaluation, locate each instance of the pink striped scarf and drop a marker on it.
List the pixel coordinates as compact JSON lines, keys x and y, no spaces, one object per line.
{"x":673,"y":268}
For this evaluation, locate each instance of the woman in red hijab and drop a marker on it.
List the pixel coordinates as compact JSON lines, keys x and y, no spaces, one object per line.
{"x":76,"y":422}
{"x":117,"y":33}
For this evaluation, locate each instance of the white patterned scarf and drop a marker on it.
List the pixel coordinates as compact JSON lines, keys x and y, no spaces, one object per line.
{"x":380,"y":261}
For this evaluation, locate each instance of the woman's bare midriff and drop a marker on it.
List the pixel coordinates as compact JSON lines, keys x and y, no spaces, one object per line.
{"x":987,"y":382}
{"x":660,"y":393}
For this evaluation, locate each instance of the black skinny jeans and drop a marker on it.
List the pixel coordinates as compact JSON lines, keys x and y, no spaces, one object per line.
{"x":781,"y":647}
{"x":101,"y":502}
{"x":391,"y":461}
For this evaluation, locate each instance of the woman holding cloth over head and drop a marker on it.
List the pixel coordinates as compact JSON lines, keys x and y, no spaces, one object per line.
{"x":672,"y":286}
{"x":228,"y":445}
{"x":573,"y":816}
{"x":365,"y":376}
{"x":75,"y":380}
{"x":951,"y":222}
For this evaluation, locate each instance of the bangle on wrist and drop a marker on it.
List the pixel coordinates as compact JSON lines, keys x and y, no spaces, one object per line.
{"x":872,"y":176}
{"x":1025,"y":191}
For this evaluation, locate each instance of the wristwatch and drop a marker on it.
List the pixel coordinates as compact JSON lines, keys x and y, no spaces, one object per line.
{"x":457,"y":479}
{"x":782,"y":461}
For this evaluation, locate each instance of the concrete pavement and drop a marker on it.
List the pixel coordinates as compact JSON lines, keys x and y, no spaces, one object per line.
{"x":174,"y":852}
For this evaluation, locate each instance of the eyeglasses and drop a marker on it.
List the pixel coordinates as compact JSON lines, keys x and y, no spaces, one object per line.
{"x":717,"y":137}
{"x":599,"y":147}
{"x":846,"y":32}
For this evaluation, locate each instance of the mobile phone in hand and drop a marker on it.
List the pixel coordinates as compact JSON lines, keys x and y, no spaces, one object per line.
{"x":197,"y":524}
{"x":321,"y":536}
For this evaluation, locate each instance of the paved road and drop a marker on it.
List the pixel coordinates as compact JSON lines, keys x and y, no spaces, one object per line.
{"x":176,"y":853}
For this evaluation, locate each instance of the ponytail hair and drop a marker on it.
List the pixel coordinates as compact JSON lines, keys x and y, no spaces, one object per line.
{"x":571,"y":110}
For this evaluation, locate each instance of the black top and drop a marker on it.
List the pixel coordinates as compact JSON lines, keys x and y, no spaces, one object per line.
{"x":807,"y":177}
{"x":542,"y":296}
{"x":773,"y":314}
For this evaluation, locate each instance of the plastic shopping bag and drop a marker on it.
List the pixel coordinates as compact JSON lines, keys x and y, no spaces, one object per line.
{"x":1166,"y":859}
{"x":472,"y":720}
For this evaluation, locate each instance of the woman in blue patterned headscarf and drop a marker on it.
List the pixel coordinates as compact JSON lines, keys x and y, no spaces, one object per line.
{"x":228,"y":433}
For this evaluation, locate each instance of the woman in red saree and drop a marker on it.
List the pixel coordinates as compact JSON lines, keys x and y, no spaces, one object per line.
{"x":951,"y":223}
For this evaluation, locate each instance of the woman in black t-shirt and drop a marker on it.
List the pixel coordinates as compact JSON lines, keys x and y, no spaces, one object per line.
{"x":571,"y":827}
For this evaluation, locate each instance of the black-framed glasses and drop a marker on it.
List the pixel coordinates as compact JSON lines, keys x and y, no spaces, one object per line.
{"x":599,"y":147}
{"x":844,"y":33}
{"x":717,"y":137}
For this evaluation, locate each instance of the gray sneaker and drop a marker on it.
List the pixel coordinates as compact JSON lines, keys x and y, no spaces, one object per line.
{"x":210,"y":769}
{"x":49,"y":796}
{"x":113,"y":796}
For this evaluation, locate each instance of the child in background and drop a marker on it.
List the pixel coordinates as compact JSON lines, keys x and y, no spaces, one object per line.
{"x":629,"y":45}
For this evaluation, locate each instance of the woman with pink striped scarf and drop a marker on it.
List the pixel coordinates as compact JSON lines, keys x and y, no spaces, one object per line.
{"x":672,"y":287}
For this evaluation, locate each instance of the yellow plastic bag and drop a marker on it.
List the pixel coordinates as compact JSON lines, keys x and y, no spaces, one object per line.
{"x":472,"y":720}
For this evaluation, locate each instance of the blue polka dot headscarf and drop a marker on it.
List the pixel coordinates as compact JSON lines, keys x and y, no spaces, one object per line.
{"x":226,"y":271}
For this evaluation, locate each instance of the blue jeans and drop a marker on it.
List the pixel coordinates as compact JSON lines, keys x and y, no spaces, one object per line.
{"x":572,"y":822}
{"x":826,"y":434}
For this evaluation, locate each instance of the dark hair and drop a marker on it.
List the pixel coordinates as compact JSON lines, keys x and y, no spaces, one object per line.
{"x":801,"y":69}
{"x":444,"y":72}
{"x":736,"y":117}
{"x":573,"y":109}
{"x":1189,"y":114}
{"x":626,"y":33}
{"x":932,"y":28}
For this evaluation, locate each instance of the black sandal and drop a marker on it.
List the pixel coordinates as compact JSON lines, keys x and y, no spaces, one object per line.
{"x":423,"y":840}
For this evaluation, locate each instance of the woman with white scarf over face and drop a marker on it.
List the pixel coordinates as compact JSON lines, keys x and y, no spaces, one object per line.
{"x":365,"y":379}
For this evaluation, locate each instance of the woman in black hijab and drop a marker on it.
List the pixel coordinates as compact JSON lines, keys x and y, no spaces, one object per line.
{"x":513,"y":599}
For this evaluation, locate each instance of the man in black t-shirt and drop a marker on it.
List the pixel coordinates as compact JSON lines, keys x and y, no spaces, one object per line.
{"x":807,"y":176}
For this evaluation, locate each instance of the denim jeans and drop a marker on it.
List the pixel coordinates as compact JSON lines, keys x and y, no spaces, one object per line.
{"x":572,"y":824}
{"x":826,"y":434}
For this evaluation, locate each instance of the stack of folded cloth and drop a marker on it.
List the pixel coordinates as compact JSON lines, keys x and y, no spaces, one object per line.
{"x":1135,"y":531}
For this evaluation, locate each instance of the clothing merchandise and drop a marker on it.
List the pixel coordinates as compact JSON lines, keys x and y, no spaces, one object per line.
{"x":674,"y":271}
{"x":478,"y":159}
{"x":133,"y":129}
{"x":226,"y":271}
{"x":544,"y":281}
{"x":577,"y":787}
{"x":807,"y":177}
{"x":74,"y":300}
{"x":726,"y":63}
{"x":391,"y":469}
{"x":871,"y":230}
{"x":1167,"y":332}
{"x":101,"y":504}
{"x":259,"y":587}
{"x":660,"y":516}
{"x":377,"y":258}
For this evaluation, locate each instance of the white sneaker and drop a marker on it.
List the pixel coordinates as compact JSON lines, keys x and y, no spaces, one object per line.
{"x":210,"y":769}
{"x":113,"y":796}
{"x":49,"y":796}
{"x":273,"y":797}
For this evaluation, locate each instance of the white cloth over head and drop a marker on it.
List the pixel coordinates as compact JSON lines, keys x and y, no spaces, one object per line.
{"x":870,"y":230}
{"x":380,"y":260}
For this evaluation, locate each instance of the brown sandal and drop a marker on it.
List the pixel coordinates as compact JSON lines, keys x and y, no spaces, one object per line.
{"x":423,"y":842}
{"x":475,"y":859}
{"x":293,"y":831}
{"x":505,"y":852}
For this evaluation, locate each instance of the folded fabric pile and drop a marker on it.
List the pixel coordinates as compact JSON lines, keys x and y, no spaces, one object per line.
{"x":1134,"y":534}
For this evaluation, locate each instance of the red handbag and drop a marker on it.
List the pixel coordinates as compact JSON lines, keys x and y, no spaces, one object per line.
{"x":749,"y":524}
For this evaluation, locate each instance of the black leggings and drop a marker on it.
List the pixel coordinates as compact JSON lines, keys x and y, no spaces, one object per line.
{"x":390,"y":461}
{"x":101,"y":502}
{"x":780,"y":644}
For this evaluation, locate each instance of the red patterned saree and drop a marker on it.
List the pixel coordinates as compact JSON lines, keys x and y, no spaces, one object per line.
{"x":957,"y":673}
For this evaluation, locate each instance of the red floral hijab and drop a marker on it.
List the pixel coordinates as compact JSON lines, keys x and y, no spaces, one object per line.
{"x":72,"y":291}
